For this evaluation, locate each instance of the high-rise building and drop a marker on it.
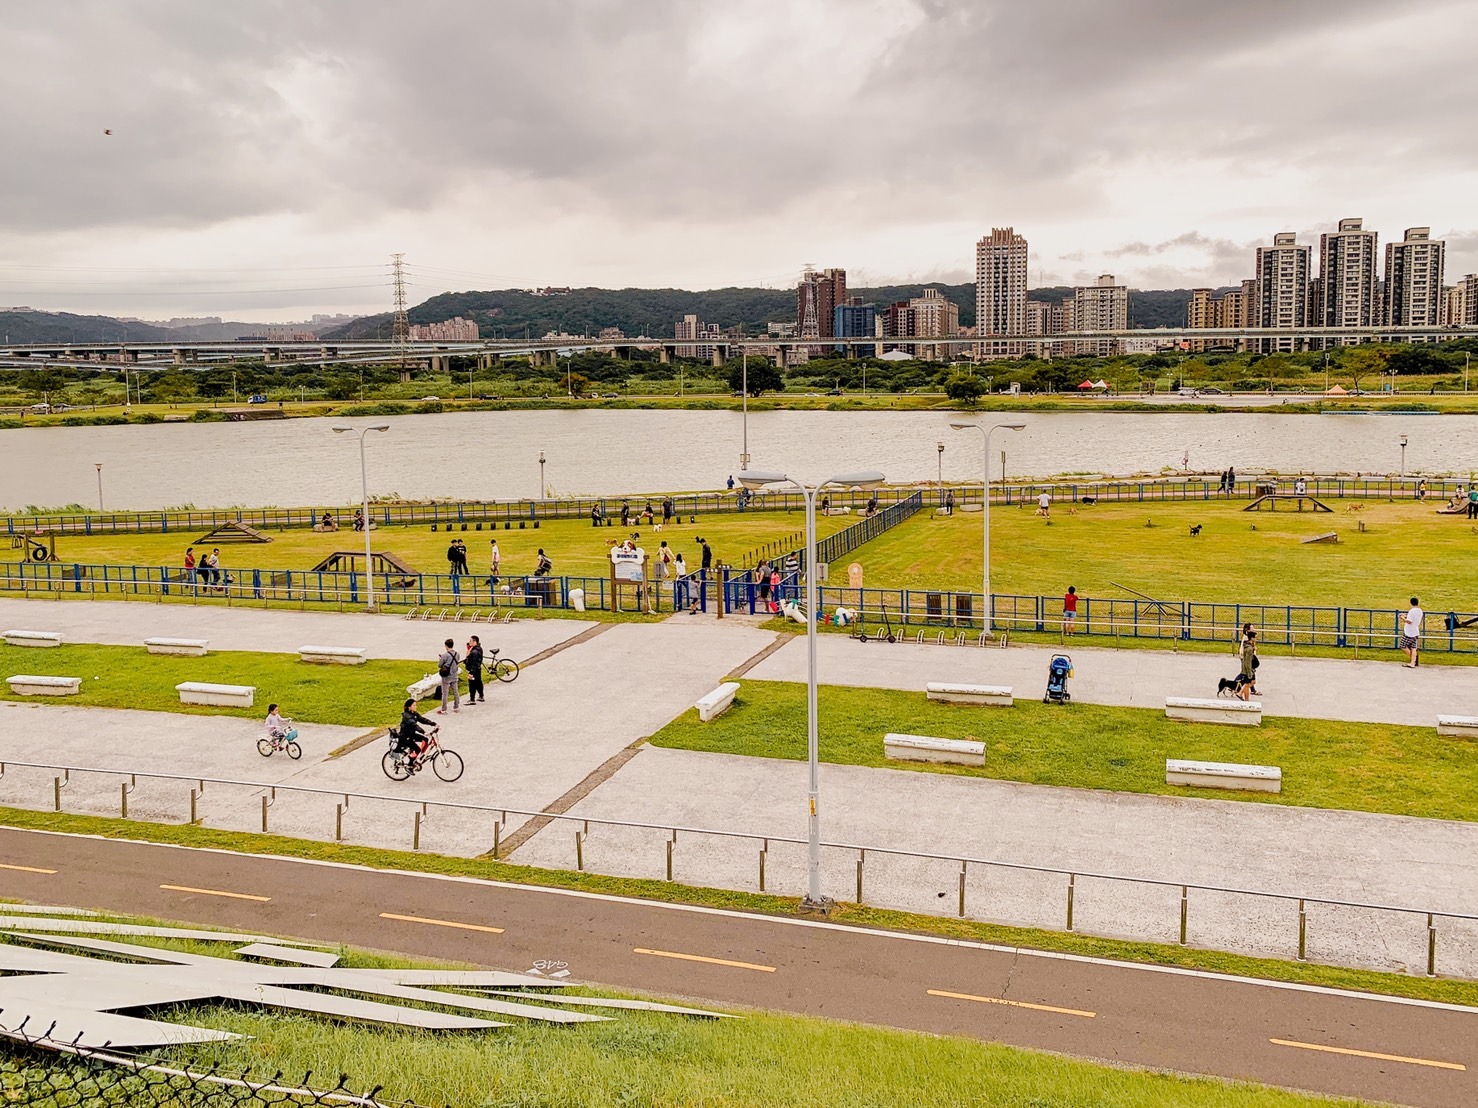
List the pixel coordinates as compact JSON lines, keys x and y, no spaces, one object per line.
{"x":854,"y":320}
{"x":1103,"y":306}
{"x":1462,"y":302}
{"x":1233,"y":309}
{"x":1044,"y":317}
{"x":927,"y":316}
{"x":1000,"y":292}
{"x":1413,"y":286}
{"x":1282,"y":290}
{"x":455,"y":329}
{"x":1347,"y":275}
{"x":816,"y":299}
{"x":689,"y":328}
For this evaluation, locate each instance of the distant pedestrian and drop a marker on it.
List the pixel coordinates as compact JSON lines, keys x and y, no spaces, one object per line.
{"x":1044,"y":504}
{"x":1247,"y":675}
{"x":762,"y":575}
{"x":775,"y":589}
{"x":680,"y":587}
{"x":217,"y":575}
{"x":647,"y":513}
{"x":1070,"y":610}
{"x":792,"y":565}
{"x":1421,"y":489}
{"x":496,"y":565}
{"x":707,"y":556}
{"x":625,"y":514}
{"x":596,"y":517}
{"x":190,"y":565}
{"x":1411,"y":633}
{"x":731,"y":482}
{"x":473,"y":662}
{"x":872,"y":504}
{"x":1221,"y":482}
{"x":447,"y":668}
{"x":359,"y":519}
{"x":666,"y":510}
{"x":451,"y":558}
{"x":1473,"y":502}
{"x":826,"y":505}
{"x":1231,"y":480}
{"x":1300,"y":487}
{"x":949,"y":502}
{"x":664,"y":561}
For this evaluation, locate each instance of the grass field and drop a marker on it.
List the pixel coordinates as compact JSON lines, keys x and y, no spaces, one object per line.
{"x":573,"y":545}
{"x":1363,"y":767}
{"x":1405,"y":550}
{"x":131,"y":677}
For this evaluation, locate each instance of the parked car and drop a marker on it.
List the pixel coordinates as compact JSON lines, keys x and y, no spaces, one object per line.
{"x":424,"y":399}
{"x":1212,"y":390}
{"x":41,"y":409}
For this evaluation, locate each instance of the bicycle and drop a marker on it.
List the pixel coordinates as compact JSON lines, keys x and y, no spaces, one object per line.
{"x":400,"y":764}
{"x":286,"y":740}
{"x":504,"y":669}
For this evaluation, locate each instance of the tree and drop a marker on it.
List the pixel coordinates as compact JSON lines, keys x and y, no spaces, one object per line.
{"x":578,"y":384}
{"x":173,"y":388}
{"x":963,"y":388}
{"x":762,"y":377}
{"x":1364,"y":361}
{"x":41,"y":383}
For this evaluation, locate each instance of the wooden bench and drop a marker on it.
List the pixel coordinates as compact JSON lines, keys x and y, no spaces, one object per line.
{"x":25,"y":684}
{"x":193,"y":647}
{"x":991,"y":696}
{"x":423,"y":688}
{"x":202,"y":692}
{"x":1223,"y":775}
{"x":925,"y":748}
{"x":1463,"y":727}
{"x":712,"y":705}
{"x":33,"y":638}
{"x":1238,"y":713}
{"x":333,"y":655}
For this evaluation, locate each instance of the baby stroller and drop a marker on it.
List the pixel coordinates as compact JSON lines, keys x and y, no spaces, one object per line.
{"x":1058,"y":671}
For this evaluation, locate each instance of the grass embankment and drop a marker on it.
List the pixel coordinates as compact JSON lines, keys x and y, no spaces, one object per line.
{"x":1362,"y":767}
{"x":131,"y":677}
{"x":1241,"y":557}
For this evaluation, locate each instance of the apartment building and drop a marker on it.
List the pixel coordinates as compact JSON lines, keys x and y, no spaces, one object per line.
{"x":1346,"y":290}
{"x":1413,"y":284}
{"x":816,"y":300}
{"x":1282,"y":290}
{"x":1103,"y":306}
{"x":1000,"y":292}
{"x":1462,"y":302}
{"x":691,"y":328}
{"x":455,"y":329}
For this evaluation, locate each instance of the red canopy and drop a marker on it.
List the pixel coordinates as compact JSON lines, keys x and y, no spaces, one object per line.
{"x":1086,"y":385}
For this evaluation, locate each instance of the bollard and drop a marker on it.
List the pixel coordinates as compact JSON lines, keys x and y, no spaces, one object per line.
{"x":861,"y":855}
{"x":497,"y":834}
{"x":669,"y":859}
{"x":1431,"y":947}
{"x":193,"y":818}
{"x":1303,"y":922}
{"x":1071,"y":882}
{"x":416,"y":834}
{"x":56,"y":792}
{"x":963,"y":866}
{"x":762,"y":869}
{"x":579,"y":851}
{"x":1183,"y":910}
{"x":338,"y":823}
{"x":123,"y":799}
{"x":264,"y":813}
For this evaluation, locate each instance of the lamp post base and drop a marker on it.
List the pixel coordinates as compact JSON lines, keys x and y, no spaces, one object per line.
{"x":821,"y":907}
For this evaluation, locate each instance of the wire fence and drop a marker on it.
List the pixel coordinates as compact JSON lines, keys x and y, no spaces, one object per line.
{"x":37,"y":1071}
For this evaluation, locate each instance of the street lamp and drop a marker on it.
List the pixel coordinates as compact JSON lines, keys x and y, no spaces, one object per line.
{"x":744,"y":409}
{"x":1403,"y":455}
{"x":939,"y":446}
{"x":754,"y":479}
{"x":100,"y":484}
{"x":542,"y":486}
{"x":985,"y":510}
{"x":369,"y":565}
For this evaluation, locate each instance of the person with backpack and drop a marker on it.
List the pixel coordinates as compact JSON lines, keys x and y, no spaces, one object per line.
{"x":448,"y":669}
{"x":473,"y":662}
{"x":409,"y":736}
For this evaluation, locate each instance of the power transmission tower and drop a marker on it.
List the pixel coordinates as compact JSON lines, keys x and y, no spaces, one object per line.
{"x":400,"y":328}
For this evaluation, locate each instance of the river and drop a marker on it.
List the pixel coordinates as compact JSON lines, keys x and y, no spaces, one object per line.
{"x":484,"y":455}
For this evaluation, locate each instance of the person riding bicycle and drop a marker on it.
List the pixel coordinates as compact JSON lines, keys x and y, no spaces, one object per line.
{"x":277,"y":725}
{"x":411,"y":737}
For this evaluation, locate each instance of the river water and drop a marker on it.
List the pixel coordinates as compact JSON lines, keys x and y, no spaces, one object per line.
{"x":486,"y":455}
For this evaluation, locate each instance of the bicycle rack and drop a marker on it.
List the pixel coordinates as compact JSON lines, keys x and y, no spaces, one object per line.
{"x":411,"y":614}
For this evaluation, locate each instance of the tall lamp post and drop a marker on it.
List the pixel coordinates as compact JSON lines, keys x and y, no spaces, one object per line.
{"x":1403,"y":455}
{"x":754,"y":479}
{"x":542,"y":485}
{"x":100,"y":484}
{"x":939,"y":446}
{"x":369,"y":565}
{"x":986,"y":433}
{"x":744,"y":410}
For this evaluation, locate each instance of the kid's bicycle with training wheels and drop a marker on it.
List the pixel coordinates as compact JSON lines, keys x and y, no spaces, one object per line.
{"x":400,"y":764}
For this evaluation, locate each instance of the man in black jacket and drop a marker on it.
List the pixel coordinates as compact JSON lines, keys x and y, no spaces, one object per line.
{"x":473,"y":662}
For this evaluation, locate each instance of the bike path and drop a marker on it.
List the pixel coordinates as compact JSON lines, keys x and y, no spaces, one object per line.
{"x":1385,"y":1049}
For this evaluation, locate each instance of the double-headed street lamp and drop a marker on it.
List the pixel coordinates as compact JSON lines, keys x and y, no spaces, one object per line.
{"x":985,"y":510}
{"x":753,"y":479}
{"x":369,"y":566}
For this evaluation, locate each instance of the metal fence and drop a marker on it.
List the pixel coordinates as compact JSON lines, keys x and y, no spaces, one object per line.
{"x":1161,"y":908}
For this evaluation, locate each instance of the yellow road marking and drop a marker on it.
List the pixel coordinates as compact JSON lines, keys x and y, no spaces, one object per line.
{"x":700,"y":958}
{"x":26,"y":869}
{"x":1370,"y":1054}
{"x":216,"y":892}
{"x":443,"y":923}
{"x":1013,"y":1003}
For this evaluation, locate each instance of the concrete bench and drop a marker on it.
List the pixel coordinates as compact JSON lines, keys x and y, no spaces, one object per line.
{"x":333,"y":655}
{"x":991,"y":696}
{"x":1464,"y":727}
{"x":33,"y":638}
{"x":25,"y":684}
{"x":1189,"y":709}
{"x":1223,"y":775}
{"x":202,"y":692}
{"x":193,"y":647}
{"x":423,"y":688}
{"x":924,"y":748}
{"x":714,"y":704}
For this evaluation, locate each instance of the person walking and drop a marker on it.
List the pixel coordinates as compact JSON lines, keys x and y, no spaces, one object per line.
{"x":189,"y":565}
{"x":762,"y":576}
{"x":1070,"y":611}
{"x":1411,"y":633}
{"x":1247,"y":675}
{"x":1231,"y":480}
{"x":680,"y":589}
{"x":451,"y":557}
{"x":706,"y":562}
{"x":664,"y":561}
{"x":217,"y":576}
{"x":625,"y":514}
{"x":1473,"y":502}
{"x":473,"y":662}
{"x":448,"y":665}
{"x":666,"y":510}
{"x":949,"y":502}
{"x":1044,"y":504}
{"x":496,"y":565}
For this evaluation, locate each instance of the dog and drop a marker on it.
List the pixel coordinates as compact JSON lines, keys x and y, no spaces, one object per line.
{"x":1355,"y":508}
{"x":1087,"y":500}
{"x":1196,"y":530}
{"x":1231,"y":685}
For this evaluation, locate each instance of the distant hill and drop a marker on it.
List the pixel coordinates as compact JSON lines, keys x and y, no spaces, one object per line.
{"x":512,"y":313}
{"x":22,"y":327}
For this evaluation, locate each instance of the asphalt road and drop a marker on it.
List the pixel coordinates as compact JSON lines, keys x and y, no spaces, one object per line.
{"x":1406,"y":1052}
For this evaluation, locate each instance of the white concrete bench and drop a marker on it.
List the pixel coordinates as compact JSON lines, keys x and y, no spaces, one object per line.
{"x":991,"y":696}
{"x":202,"y":692}
{"x":423,"y":688}
{"x":1223,"y":775}
{"x":25,"y":684}
{"x":714,"y":704}
{"x":1464,"y":727}
{"x":924,"y":748}
{"x":33,"y":638}
{"x":193,"y":647}
{"x":333,"y":655}
{"x":1189,"y":709}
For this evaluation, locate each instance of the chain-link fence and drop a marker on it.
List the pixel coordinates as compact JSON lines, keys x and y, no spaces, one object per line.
{"x":38,"y":1071}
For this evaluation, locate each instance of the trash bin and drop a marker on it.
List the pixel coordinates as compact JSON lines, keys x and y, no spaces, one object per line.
{"x":577,"y":599}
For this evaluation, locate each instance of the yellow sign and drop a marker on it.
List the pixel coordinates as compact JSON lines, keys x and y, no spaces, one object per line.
{"x":854,"y":575}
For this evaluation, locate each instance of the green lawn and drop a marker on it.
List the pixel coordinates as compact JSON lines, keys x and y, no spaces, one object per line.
{"x":1405,"y":550}
{"x":1363,"y":767}
{"x":131,"y":677}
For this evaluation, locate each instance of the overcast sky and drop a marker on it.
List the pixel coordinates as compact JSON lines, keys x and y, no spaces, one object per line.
{"x":266,"y":158}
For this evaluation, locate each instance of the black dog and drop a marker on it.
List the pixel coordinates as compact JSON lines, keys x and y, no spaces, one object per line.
{"x":1231,"y":685}
{"x":1087,"y":500}
{"x":1196,"y":530}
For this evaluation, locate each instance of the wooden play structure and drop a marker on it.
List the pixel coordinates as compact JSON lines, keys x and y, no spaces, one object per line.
{"x":36,"y":550}
{"x":1271,"y":500}
{"x":1328,"y":536}
{"x":395,"y":570}
{"x":235,"y":531}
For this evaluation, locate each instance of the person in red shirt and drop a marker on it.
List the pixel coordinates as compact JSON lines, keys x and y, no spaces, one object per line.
{"x":1070,"y":611}
{"x":190,"y":565}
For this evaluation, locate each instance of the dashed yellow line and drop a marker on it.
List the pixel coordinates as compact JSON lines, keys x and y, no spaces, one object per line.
{"x":1013,"y":1003}
{"x":216,"y":892}
{"x":1370,"y":1054}
{"x":701,"y":958}
{"x":25,"y":869}
{"x":442,"y":923}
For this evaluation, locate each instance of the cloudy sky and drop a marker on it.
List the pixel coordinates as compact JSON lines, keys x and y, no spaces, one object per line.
{"x":266,"y":157}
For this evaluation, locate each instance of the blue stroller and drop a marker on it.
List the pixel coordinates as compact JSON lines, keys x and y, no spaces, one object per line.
{"x":1058,"y":671}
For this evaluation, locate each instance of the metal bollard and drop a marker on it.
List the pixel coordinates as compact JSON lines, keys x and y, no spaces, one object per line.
{"x":338,"y":823}
{"x":1303,"y":925}
{"x":56,"y":792}
{"x":193,"y":818}
{"x":264,"y":813}
{"x":1072,"y":879}
{"x":1431,"y":947}
{"x":669,"y":856}
{"x":416,"y":834}
{"x":497,"y":834}
{"x":123,"y":799}
{"x":861,"y":857}
{"x":963,"y":866}
{"x":579,"y":851}
{"x":762,"y":869}
{"x":1184,"y":907}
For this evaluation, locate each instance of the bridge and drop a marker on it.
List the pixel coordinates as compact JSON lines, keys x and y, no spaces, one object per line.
{"x":437,"y":355}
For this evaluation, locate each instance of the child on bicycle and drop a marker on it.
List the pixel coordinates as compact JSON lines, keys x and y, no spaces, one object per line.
{"x":277,"y":725}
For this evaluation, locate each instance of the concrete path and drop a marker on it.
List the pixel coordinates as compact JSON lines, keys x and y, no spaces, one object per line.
{"x":276,"y":630}
{"x":1314,"y":688}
